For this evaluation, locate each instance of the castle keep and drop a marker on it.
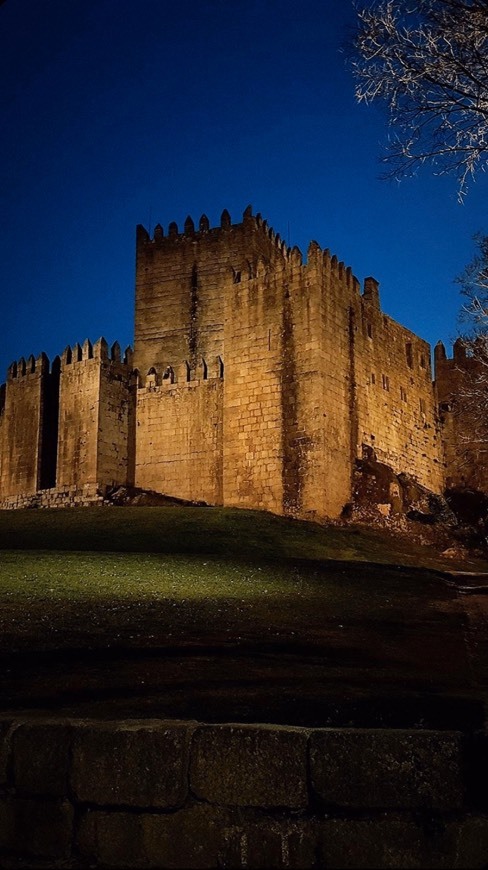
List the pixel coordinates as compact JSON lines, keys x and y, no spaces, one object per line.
{"x":256,"y":381}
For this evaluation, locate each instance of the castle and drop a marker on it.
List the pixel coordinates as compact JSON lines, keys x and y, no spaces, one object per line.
{"x":256,"y":381}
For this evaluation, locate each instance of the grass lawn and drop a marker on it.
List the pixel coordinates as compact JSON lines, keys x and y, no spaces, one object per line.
{"x":218,"y":531}
{"x":220,"y":614}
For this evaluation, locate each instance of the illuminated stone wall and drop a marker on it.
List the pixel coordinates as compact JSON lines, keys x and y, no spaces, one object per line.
{"x":257,"y":381}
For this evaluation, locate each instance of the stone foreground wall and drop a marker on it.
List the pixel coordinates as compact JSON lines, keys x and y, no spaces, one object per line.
{"x":169,"y":794}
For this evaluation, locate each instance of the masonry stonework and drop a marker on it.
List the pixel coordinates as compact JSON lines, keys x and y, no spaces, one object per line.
{"x":167,"y":794}
{"x":257,"y":380}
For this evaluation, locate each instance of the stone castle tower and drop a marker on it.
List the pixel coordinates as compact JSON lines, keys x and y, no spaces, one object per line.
{"x":256,"y":381}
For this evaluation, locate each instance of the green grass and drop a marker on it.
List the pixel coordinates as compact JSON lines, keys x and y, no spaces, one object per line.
{"x":225,"y":532}
{"x":199,"y":612}
{"x":78,"y":576}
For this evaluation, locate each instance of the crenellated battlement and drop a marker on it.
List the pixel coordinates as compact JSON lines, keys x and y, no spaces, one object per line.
{"x":98,"y":351}
{"x":72,"y":354}
{"x":32,"y":366}
{"x":179,"y":374}
{"x":256,"y":229}
{"x":314,"y":370}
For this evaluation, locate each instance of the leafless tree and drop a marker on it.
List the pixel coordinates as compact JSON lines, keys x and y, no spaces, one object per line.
{"x":474,"y":316}
{"x":428,"y":62}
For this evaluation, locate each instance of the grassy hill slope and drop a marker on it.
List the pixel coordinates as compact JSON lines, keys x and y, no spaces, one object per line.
{"x":217,"y":531}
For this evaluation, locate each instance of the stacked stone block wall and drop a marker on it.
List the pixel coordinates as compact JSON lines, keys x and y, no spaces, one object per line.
{"x":181,"y":282}
{"x":78,"y":418}
{"x":179,"y":434}
{"x":397,"y":411}
{"x":463,"y":431}
{"x":253,"y":388}
{"x":257,"y":381}
{"x":22,"y":424}
{"x":87,"y":495}
{"x":168,"y":794}
{"x":324,"y":359}
{"x":115,"y":445}
{"x":94,"y":412}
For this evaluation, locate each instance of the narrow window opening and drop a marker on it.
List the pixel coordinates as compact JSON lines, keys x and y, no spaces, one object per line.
{"x":386,"y":382}
{"x":409,"y":354}
{"x":370,"y":331}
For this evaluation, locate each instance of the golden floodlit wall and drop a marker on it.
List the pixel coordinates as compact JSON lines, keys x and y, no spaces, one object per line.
{"x":464,"y":430}
{"x":257,"y":380}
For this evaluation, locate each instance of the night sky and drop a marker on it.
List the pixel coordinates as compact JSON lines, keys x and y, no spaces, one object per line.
{"x":120,"y":112}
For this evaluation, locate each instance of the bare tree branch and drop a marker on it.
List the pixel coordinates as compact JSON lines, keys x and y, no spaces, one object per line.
{"x":427,"y":61}
{"x":474,"y":317}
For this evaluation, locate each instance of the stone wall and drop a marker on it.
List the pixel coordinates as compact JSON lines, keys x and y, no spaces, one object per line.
{"x":168,"y":794}
{"x":94,"y":410}
{"x":179,"y":434}
{"x":323,"y":296}
{"x":313,"y":370}
{"x":116,"y":447}
{"x":397,"y":410}
{"x":253,"y":387}
{"x":22,"y":426}
{"x":56,"y":497}
{"x":464,"y":435}
{"x":257,"y":381}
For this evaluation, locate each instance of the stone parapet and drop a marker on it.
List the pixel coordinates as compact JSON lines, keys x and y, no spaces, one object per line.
{"x":173,"y":794}
{"x":66,"y":496}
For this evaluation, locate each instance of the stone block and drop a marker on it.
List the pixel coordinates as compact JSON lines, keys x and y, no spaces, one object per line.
{"x":112,"y":839}
{"x":271,"y":842}
{"x":37,"y":828}
{"x":198,"y":837}
{"x":264,"y":766}
{"x":391,"y":841}
{"x":378,"y":768}
{"x":41,"y":758}
{"x":132,"y":763}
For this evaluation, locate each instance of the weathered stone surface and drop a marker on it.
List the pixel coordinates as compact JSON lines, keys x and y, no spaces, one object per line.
{"x":314,"y":372}
{"x":195,"y":838}
{"x":266,"y":841}
{"x":404,"y":842}
{"x":113,"y":839}
{"x":37,"y":828}
{"x":245,"y":765}
{"x":41,"y":758}
{"x":133,"y":763}
{"x":355,"y":844}
{"x":379,"y":768}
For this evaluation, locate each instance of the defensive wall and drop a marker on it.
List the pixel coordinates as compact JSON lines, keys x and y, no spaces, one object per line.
{"x":65,"y":428}
{"x":311,"y":371}
{"x":169,"y":794}
{"x":257,"y":380}
{"x":460,"y":385}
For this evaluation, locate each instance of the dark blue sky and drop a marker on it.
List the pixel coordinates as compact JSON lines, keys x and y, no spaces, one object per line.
{"x":142,"y":111}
